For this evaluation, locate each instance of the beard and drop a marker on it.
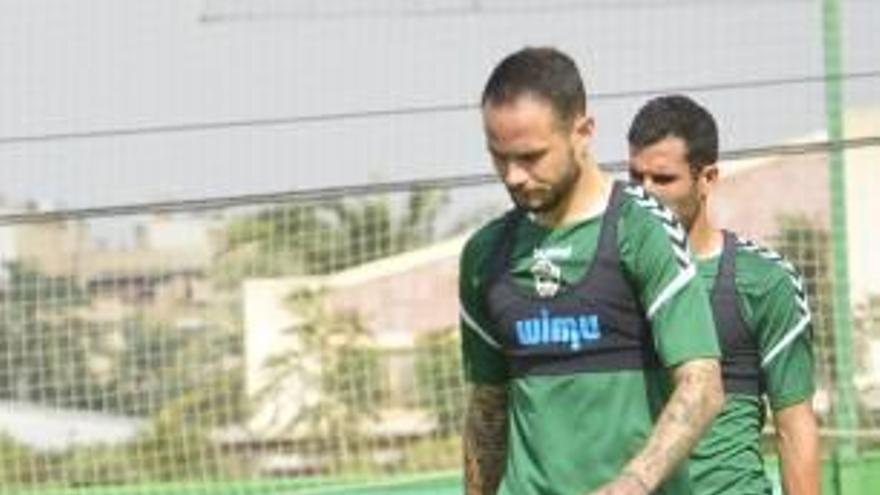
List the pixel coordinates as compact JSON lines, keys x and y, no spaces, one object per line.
{"x":687,"y":210}
{"x":549,"y":197}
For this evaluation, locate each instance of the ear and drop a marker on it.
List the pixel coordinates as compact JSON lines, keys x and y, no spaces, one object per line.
{"x":708,"y":178}
{"x":583,"y":127}
{"x":710,"y":174}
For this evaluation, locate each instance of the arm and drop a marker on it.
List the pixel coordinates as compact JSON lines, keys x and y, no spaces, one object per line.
{"x":798,"y":444}
{"x":485,"y":439}
{"x":485,"y":369}
{"x":656,"y":259}
{"x":783,"y":322}
{"x":697,"y":398}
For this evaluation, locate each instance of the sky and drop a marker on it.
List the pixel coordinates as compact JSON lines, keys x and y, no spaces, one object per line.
{"x":339,"y":95}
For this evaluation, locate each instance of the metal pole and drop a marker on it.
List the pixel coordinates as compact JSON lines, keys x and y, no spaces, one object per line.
{"x":844,"y":409}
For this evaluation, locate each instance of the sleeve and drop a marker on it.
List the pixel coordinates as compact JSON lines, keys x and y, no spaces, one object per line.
{"x":783,"y":324}
{"x":657,"y":260}
{"x":482,"y":357}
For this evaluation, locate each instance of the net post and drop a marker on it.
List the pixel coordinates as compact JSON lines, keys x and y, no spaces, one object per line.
{"x":844,"y":410}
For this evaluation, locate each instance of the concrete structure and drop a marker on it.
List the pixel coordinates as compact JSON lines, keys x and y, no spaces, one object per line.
{"x":754,"y":195}
{"x":165,"y":271}
{"x":396,"y":299}
{"x":52,"y":429}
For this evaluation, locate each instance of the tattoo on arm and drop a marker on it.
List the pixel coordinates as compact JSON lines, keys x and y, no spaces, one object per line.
{"x":697,"y":398}
{"x":485,"y":439}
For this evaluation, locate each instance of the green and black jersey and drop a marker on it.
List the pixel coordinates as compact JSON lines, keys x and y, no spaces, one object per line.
{"x":763,"y":321}
{"x":580,"y":322}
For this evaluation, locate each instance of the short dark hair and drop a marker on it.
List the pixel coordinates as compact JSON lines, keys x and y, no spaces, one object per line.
{"x":682,"y":117}
{"x":545,"y":73}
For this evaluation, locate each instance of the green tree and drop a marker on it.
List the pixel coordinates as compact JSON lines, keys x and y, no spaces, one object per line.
{"x":319,"y":237}
{"x":43,"y":351}
{"x":19,"y":465}
{"x":333,"y":351}
{"x":439,"y":378}
{"x":178,"y":445}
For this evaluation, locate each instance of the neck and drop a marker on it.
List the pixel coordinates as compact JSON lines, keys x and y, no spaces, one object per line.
{"x":705,"y":238}
{"x":588,"y":195}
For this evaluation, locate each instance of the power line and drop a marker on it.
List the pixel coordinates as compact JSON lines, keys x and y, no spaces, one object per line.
{"x":209,"y":126}
{"x":807,"y":148}
{"x":193,"y":205}
{"x":727,"y":86}
{"x":229,"y":124}
{"x":472,"y":8}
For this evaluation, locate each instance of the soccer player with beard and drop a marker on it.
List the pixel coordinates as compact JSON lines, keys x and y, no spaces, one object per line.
{"x":587,"y":338}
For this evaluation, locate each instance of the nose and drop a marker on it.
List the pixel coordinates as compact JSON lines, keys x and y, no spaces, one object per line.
{"x":649,"y":185}
{"x":514,"y":176}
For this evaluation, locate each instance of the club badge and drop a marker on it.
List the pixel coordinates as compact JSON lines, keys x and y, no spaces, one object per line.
{"x":547,"y":276}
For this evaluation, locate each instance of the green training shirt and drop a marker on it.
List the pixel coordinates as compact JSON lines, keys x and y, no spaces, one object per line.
{"x":569,"y":433}
{"x":772,"y":303}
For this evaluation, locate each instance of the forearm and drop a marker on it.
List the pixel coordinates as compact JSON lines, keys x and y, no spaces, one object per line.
{"x":485,"y":439}
{"x":697,"y":398}
{"x":799,"y":452}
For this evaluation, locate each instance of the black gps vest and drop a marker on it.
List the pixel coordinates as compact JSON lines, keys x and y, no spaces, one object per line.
{"x":591,"y":325}
{"x":740,"y":362}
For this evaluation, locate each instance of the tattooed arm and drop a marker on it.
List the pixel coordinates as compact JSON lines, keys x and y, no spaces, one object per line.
{"x":697,"y":398}
{"x":485,"y":439}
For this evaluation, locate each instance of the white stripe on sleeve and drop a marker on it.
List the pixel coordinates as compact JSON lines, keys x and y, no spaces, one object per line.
{"x":672,"y":289}
{"x":786,"y":340}
{"x":477,"y":328}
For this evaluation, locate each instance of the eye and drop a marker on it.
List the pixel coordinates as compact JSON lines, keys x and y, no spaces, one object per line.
{"x":529,"y":158}
{"x":497,"y":158}
{"x":664,"y":179}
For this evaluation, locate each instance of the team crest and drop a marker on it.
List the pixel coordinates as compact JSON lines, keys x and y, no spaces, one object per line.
{"x":547,"y":276}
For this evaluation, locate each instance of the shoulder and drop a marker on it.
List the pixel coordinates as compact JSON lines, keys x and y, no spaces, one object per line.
{"x":757,"y":261}
{"x":639,"y":205}
{"x":760,"y":269}
{"x":481,"y":244}
{"x":644,"y":217}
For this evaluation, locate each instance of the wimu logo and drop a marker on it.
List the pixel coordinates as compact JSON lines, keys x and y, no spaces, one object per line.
{"x":572,"y":331}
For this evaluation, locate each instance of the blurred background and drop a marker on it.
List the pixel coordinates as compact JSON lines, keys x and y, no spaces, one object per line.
{"x":229,"y":229}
